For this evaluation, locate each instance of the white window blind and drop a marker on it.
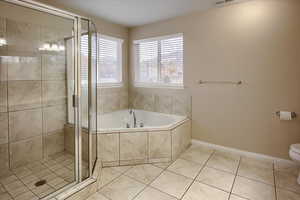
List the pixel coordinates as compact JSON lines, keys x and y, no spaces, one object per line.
{"x":84,"y":59}
{"x":159,"y":61}
{"x":109,"y":60}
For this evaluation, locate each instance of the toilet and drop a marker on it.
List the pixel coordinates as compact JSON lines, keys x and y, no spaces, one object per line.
{"x":295,"y":156}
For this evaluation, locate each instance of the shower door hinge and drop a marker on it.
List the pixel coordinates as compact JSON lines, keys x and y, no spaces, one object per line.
{"x":75,"y":101}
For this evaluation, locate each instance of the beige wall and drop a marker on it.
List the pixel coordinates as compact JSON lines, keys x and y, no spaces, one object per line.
{"x":257,"y":42}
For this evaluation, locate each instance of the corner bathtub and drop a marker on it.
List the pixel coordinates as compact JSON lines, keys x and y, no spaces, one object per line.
{"x":162,"y":138}
{"x":117,"y":121}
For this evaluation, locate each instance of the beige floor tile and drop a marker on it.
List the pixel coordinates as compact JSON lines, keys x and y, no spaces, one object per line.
{"x":224,"y":161}
{"x":8,"y":179}
{"x":144,"y":173}
{"x":27,"y":196}
{"x":287,"y":181}
{"x":287,"y":195}
{"x":61,"y":185}
{"x":2,"y":190}
{"x":250,"y":189}
{"x":163,"y":165}
{"x":216,"y":178}
{"x":16,"y":188}
{"x":55,"y":181}
{"x":22,"y":172}
{"x":122,"y":169}
{"x":234,"y":197}
{"x":172,"y":184}
{"x":122,"y":188}
{"x":45,"y":193}
{"x":97,"y":196}
{"x":18,"y":191}
{"x":152,"y":194}
{"x":197,"y":154}
{"x":185,"y":168}
{"x":29,"y":179}
{"x":41,"y":190}
{"x":259,"y":170}
{"x":5,"y":196}
{"x":287,"y":166}
{"x":107,"y":175}
{"x":201,"y":191}
{"x":257,"y":162}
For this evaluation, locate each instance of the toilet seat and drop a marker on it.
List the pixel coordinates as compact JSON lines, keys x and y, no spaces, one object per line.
{"x":295,"y":148}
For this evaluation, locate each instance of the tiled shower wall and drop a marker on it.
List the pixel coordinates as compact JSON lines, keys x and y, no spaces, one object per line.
{"x":112,"y":99}
{"x":32,"y":95}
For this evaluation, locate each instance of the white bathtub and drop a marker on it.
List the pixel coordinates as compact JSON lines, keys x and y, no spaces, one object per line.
{"x":162,"y":139}
{"x":152,"y":121}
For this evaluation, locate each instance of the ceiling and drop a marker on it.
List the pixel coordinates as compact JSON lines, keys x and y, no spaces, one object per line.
{"x":135,"y":12}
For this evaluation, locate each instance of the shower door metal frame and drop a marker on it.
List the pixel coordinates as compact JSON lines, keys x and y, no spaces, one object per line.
{"x":77,"y":88}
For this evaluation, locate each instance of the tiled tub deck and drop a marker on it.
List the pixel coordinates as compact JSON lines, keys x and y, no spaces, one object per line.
{"x":143,"y":146}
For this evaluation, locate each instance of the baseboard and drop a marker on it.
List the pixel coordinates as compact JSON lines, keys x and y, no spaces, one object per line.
{"x":240,"y":152}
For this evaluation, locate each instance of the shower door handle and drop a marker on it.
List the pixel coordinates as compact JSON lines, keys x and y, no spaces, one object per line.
{"x":75,"y":101}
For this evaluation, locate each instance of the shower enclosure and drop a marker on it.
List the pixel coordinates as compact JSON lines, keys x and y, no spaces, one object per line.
{"x":48,"y":61}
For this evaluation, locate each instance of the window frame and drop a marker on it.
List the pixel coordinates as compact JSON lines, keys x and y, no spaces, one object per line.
{"x":120,"y":55}
{"x":157,"y":84}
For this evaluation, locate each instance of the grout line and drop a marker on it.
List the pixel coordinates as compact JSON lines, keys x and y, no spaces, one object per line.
{"x":121,"y":173}
{"x":255,"y":180}
{"x":275,"y":188}
{"x":7,"y":191}
{"x":171,"y":135}
{"x":43,"y":110}
{"x":148,"y":147}
{"x":149,"y":184}
{"x":236,"y":175}
{"x":197,"y":174}
{"x":8,"y":114}
{"x":119,"y":136}
{"x":146,"y":185}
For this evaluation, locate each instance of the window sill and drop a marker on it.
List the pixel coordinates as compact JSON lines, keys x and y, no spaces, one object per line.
{"x":157,"y":85}
{"x":110,"y":85}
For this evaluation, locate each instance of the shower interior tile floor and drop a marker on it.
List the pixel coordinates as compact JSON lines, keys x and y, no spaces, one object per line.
{"x":19,"y":183}
{"x":201,"y":173}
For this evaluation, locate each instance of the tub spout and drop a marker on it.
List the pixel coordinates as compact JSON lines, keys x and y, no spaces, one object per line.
{"x":131,"y":111}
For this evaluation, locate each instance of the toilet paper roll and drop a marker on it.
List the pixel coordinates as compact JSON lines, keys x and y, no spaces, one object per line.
{"x":285,"y":115}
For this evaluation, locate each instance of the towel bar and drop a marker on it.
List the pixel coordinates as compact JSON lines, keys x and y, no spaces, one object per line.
{"x":220,"y":82}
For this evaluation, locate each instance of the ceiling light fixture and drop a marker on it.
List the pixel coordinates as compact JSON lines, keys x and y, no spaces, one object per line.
{"x":61,"y":47}
{"x":3,"y":42}
{"x":52,"y":47}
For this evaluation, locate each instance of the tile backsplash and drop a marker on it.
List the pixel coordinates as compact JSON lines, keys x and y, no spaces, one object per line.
{"x":169,"y":101}
{"x":112,"y":99}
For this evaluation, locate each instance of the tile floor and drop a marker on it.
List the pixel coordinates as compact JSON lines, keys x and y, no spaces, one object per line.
{"x":19,"y":184}
{"x":201,"y":173}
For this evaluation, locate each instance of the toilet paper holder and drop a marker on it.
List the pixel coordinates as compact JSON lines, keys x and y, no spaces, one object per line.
{"x":293,"y":114}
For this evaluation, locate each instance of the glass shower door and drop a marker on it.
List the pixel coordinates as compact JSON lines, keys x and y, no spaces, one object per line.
{"x":88,"y":97}
{"x":37,"y":143}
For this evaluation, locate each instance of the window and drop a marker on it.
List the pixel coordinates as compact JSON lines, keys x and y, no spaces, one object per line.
{"x":159,"y":61}
{"x":109,"y":60}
